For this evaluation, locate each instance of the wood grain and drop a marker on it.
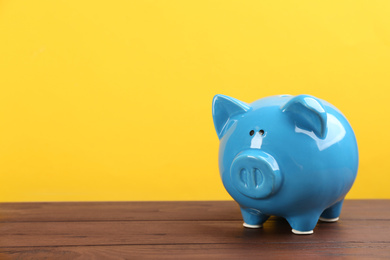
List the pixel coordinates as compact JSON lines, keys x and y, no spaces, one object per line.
{"x":205,"y":251}
{"x":185,"y":230}
{"x":189,"y":232}
{"x":114,"y":211}
{"x":164,"y":210}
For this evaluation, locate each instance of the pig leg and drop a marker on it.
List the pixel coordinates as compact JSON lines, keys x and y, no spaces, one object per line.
{"x":304,"y":224}
{"x":253,"y":218}
{"x":332,"y":213}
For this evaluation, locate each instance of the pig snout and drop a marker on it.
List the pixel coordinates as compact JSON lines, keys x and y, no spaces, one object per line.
{"x":255,"y":174}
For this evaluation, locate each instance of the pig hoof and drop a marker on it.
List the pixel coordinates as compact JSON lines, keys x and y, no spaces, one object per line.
{"x":251,"y":226}
{"x":297,"y":232}
{"x":329,"y":219}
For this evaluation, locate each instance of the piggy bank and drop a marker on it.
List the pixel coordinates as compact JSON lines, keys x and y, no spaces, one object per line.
{"x":294,"y":157}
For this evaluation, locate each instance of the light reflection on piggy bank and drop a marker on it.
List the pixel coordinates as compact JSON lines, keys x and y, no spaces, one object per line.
{"x":290,"y":156}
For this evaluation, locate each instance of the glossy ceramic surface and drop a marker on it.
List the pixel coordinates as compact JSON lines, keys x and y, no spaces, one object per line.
{"x":289,"y":156}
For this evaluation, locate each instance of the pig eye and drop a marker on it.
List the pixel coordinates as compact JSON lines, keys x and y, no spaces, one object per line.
{"x":261,"y":132}
{"x":251,"y":132}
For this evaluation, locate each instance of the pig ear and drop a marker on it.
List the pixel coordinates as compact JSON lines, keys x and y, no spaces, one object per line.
{"x":308,"y":114}
{"x":224,"y":108}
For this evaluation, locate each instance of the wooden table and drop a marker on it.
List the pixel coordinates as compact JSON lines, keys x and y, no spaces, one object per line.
{"x":192,"y":230}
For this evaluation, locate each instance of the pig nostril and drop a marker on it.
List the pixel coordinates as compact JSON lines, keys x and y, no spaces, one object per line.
{"x":261,"y":132}
{"x":251,"y":132}
{"x":257,"y":177}
{"x":244,"y":176}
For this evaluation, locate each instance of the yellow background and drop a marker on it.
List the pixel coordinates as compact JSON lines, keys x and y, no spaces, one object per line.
{"x":111,"y":100}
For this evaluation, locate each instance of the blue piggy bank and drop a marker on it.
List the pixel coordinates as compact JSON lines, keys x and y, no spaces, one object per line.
{"x":290,"y":156}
